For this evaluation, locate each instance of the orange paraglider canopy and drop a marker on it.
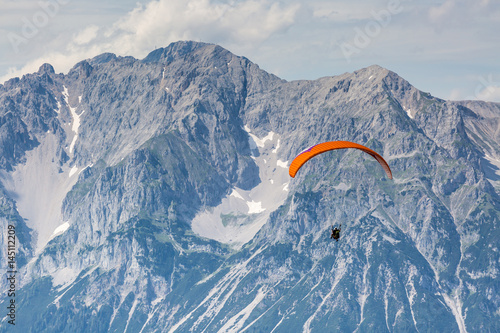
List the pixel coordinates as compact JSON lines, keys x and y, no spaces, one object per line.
{"x":306,"y":155}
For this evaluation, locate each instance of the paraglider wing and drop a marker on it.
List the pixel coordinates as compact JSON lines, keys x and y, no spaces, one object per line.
{"x":306,"y":155}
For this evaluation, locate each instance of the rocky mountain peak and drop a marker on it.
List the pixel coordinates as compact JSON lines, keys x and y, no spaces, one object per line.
{"x":373,"y":72}
{"x":103,"y":58}
{"x":177,"y":50}
{"x":46,"y":68}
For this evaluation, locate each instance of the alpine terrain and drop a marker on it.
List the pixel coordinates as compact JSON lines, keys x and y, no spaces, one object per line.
{"x":153,"y":195}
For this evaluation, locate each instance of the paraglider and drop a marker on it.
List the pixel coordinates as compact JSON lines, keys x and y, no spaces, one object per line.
{"x":309,"y":153}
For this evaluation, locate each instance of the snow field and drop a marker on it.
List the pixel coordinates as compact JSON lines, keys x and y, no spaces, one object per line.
{"x":242,"y":213}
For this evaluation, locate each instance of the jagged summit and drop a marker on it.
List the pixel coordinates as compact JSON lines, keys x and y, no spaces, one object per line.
{"x":46,"y":68}
{"x":176,"y":49}
{"x":103,"y":58}
{"x":372,"y":71}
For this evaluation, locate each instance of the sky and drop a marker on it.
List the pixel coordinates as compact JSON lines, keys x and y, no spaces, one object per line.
{"x":449,"y":48}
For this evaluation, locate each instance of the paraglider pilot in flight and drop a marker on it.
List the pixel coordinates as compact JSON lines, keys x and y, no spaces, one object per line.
{"x":320,"y":148}
{"x":336,"y":233}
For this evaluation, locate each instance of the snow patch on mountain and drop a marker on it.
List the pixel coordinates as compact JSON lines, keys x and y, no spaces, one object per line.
{"x":242,"y":213}
{"x":64,"y":277}
{"x":60,"y":229}
{"x":235,"y":323}
{"x":340,"y":271}
{"x":217,"y":297}
{"x":456,"y":308}
{"x":58,"y":106}
{"x":255,"y":207}
{"x":390,"y":239}
{"x":131,"y":312}
{"x":282,"y":164}
{"x":256,"y":141}
{"x":408,"y":112}
{"x":72,"y":171}
{"x":76,"y":118}
{"x":411,"y":292}
{"x":236,"y":194}
{"x":366,"y":291}
{"x":275,"y":150}
{"x":39,"y":187}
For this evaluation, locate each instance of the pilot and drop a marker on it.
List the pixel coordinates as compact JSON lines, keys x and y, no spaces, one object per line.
{"x":336,"y":233}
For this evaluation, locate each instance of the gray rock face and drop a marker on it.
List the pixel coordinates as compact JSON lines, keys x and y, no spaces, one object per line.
{"x":104,"y":170}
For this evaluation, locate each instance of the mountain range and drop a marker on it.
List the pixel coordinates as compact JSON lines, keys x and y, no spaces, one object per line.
{"x":153,"y":195}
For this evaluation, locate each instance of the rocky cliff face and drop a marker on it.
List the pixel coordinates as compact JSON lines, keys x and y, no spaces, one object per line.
{"x":153,"y":195}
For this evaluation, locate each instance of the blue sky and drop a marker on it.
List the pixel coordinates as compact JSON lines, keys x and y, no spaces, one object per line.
{"x":449,"y":48}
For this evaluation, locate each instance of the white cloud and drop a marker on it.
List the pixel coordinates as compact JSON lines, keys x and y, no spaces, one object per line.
{"x":62,"y":61}
{"x":490,"y":93}
{"x":158,"y":23}
{"x":86,"y":35}
{"x":456,"y":95}
{"x":243,"y":22}
{"x":486,"y":89}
